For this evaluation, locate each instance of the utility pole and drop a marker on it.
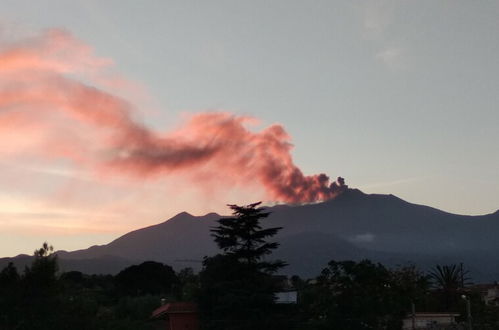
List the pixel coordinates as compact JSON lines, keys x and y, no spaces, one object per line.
{"x":468,"y":311}
{"x":413,"y":314}
{"x":461,"y":272}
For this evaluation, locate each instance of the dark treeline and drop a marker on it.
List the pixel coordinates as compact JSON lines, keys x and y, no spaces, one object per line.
{"x":235,"y":290}
{"x":42,"y":298}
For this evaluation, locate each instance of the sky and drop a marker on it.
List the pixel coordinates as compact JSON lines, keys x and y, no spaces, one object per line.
{"x":198,"y":103}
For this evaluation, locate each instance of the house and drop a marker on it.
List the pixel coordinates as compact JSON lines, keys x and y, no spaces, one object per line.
{"x":429,"y":320}
{"x":286,"y":297}
{"x":286,"y":293}
{"x":492,"y":296}
{"x":177,"y":316}
{"x":488,"y":292}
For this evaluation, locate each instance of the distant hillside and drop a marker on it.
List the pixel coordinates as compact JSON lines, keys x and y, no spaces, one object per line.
{"x":355,"y":225}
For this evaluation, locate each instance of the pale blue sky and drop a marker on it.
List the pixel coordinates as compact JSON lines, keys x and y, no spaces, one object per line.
{"x":396,"y":96}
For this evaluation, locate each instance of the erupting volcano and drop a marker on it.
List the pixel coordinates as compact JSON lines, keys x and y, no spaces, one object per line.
{"x":54,"y":101}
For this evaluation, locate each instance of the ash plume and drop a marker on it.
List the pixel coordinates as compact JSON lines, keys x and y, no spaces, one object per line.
{"x":52,"y":105}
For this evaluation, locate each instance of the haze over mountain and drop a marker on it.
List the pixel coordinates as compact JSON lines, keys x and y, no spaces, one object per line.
{"x":354,"y":225}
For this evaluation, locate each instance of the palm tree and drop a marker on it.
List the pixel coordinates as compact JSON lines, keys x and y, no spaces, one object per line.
{"x":449,"y":279}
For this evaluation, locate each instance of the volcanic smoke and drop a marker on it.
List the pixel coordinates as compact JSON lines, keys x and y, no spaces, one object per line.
{"x":51,"y":106}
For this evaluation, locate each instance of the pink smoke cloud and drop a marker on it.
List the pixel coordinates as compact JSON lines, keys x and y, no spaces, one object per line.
{"x":51,"y":101}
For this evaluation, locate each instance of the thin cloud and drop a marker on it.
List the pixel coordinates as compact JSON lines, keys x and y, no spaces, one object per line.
{"x":377,"y":19}
{"x":390,"y":183}
{"x":392,"y":57}
{"x":363,"y":238}
{"x":52,"y":171}
{"x":377,"y":15}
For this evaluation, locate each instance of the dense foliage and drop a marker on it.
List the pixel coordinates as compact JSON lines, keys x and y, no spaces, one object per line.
{"x":235,"y":290}
{"x":147,"y":278}
{"x":41,"y":298}
{"x":362,"y":295}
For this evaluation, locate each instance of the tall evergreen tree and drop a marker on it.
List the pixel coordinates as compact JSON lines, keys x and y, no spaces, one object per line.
{"x":243,"y":238}
{"x":237,"y":287}
{"x":40,"y":296}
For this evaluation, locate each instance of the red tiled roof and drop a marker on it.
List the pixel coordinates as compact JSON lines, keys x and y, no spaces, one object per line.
{"x":175,"y":307}
{"x":429,"y":314}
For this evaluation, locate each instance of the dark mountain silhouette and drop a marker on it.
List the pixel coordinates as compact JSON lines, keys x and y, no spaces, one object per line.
{"x":354,"y":225}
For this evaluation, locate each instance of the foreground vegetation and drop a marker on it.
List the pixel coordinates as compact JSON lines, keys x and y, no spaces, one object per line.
{"x":234,"y":290}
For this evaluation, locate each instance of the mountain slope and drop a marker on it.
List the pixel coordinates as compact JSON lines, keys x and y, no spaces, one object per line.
{"x":352,"y":226}
{"x":390,"y":224}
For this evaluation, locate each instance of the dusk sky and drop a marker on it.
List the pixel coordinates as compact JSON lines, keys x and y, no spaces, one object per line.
{"x":115,"y":115}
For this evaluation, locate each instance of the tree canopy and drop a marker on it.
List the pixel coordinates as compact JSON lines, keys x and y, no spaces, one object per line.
{"x":149,"y":277}
{"x":363,"y":295}
{"x":237,"y":287}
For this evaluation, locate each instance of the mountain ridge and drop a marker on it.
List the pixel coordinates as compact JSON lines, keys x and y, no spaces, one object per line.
{"x":353,"y":225}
